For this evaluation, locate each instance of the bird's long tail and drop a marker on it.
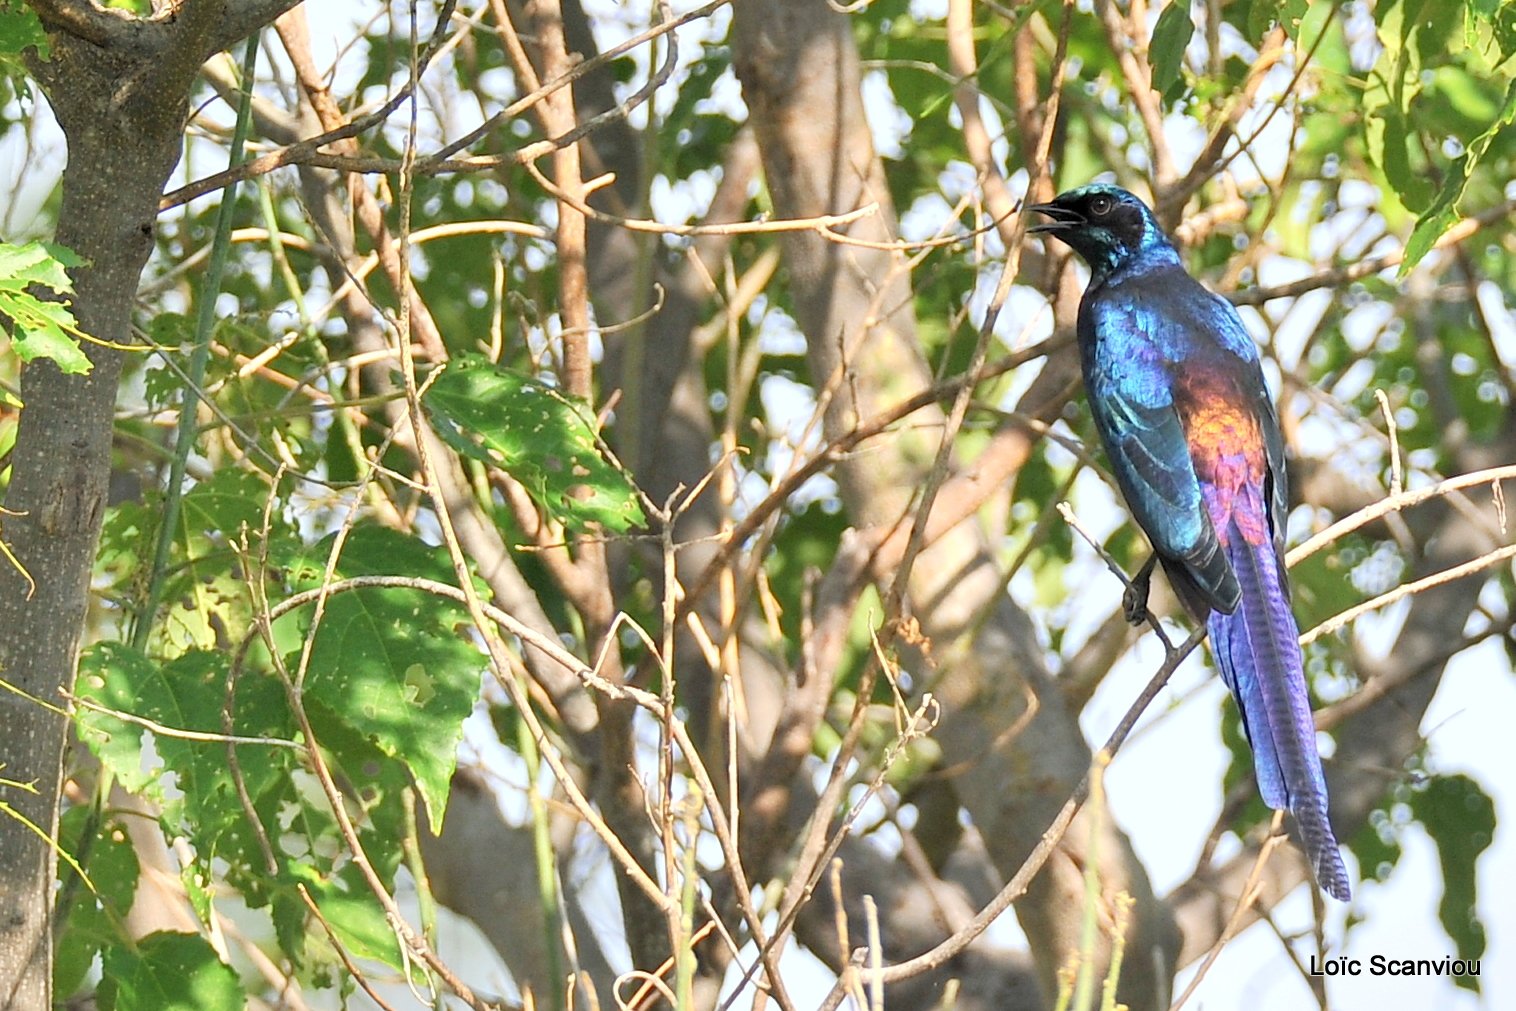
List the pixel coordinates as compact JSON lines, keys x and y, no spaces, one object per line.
{"x":1257,"y":648}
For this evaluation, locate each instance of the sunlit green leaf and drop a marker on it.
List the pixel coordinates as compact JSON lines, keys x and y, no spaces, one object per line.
{"x":1443,"y":212}
{"x":168,"y":971}
{"x":40,"y":328}
{"x":538,"y":436}
{"x":186,"y":694}
{"x":1460,"y":818}
{"x":20,"y":30}
{"x":1170,"y":36}
{"x":95,"y":910}
{"x":357,"y":919}
{"x":395,"y":666}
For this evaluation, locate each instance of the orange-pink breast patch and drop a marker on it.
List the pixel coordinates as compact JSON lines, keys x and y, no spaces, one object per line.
{"x":1226,"y":448}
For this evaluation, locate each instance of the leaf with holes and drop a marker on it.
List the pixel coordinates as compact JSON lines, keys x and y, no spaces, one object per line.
{"x":1460,"y":818}
{"x":354,"y":915}
{"x":536,"y":434}
{"x":40,"y":328}
{"x":187,"y":693}
{"x":393,"y":665}
{"x":168,"y":971}
{"x":93,"y":911}
{"x":20,"y":30}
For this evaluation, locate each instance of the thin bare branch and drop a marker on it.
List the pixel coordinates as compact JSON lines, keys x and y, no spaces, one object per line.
{"x":1395,"y":503}
{"x":1337,"y":277}
{"x":1017,"y":885}
{"x":1409,"y":589}
{"x":308,"y":151}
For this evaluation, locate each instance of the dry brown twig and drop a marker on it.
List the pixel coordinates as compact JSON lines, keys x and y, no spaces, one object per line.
{"x":962,"y":388}
{"x":964,"y":65}
{"x":353,"y":969}
{"x":837,"y":448}
{"x":814,"y":850}
{"x":964,"y":936}
{"x":1129,"y":43}
{"x":1249,"y":895}
{"x":308,"y":151}
{"x":819,"y":849}
{"x":408,"y":937}
{"x":1336,"y":277}
{"x":1017,"y":885}
{"x":1404,"y":590}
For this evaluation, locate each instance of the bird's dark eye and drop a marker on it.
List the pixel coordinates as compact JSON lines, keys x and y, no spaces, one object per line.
{"x":1101,"y":206}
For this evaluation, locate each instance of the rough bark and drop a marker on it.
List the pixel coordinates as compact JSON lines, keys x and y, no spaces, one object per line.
{"x":119,"y":87}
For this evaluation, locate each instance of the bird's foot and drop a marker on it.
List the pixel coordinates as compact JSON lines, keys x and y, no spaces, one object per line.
{"x":1134,"y":602}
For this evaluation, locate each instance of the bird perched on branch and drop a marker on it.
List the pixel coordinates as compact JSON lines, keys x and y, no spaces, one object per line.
{"x":1178,"y":396}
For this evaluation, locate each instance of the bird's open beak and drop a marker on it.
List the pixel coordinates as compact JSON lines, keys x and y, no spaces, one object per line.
{"x":1063,"y":218}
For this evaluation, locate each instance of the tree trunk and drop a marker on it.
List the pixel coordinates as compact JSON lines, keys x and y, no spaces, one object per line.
{"x":121,"y":97}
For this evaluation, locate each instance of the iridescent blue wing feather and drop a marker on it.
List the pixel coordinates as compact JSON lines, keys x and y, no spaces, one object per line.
{"x":1257,"y":650}
{"x":1129,"y":377}
{"x":1178,"y":397}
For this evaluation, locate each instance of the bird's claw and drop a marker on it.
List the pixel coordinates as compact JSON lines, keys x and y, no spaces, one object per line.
{"x":1134,"y":602}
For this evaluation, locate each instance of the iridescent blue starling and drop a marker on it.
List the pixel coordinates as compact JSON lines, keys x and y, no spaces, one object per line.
{"x":1178,"y":397}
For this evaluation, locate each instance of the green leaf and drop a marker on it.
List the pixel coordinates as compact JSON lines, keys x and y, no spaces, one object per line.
{"x":205,"y":592}
{"x":393,"y":665}
{"x":1460,"y":818}
{"x":91,"y":916}
{"x":40,"y":328}
{"x":168,"y":972}
{"x":355,"y":917}
{"x":1313,"y":22}
{"x":198,"y":885}
{"x":41,"y":263}
{"x":1170,"y":36}
{"x":1265,"y":13}
{"x":41,"y":332}
{"x":20,"y":30}
{"x":1437,"y":219}
{"x":186,"y":693}
{"x":1443,"y":212}
{"x":110,"y":674}
{"x":378,"y":785}
{"x":1467,"y":95}
{"x":1390,"y":122}
{"x":1321,"y":587}
{"x":1377,"y":845}
{"x":1411,"y":182}
{"x":538,"y":436}
{"x":161,"y":386}
{"x":219,"y":506}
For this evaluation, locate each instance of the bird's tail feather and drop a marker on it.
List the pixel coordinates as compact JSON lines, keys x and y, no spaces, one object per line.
{"x":1257,"y":648}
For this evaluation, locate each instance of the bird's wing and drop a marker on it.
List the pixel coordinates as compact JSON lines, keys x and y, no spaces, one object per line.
{"x":1234,"y":358}
{"x":1132,"y":385}
{"x":1277,"y":489}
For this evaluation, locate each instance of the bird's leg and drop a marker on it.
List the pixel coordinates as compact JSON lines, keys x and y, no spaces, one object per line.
{"x":1134,"y":602}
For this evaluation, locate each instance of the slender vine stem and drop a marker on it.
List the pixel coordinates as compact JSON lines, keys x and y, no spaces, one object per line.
{"x":194,"y":373}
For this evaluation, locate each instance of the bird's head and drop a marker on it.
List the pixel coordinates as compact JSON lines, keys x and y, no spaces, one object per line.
{"x":1102,"y":223}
